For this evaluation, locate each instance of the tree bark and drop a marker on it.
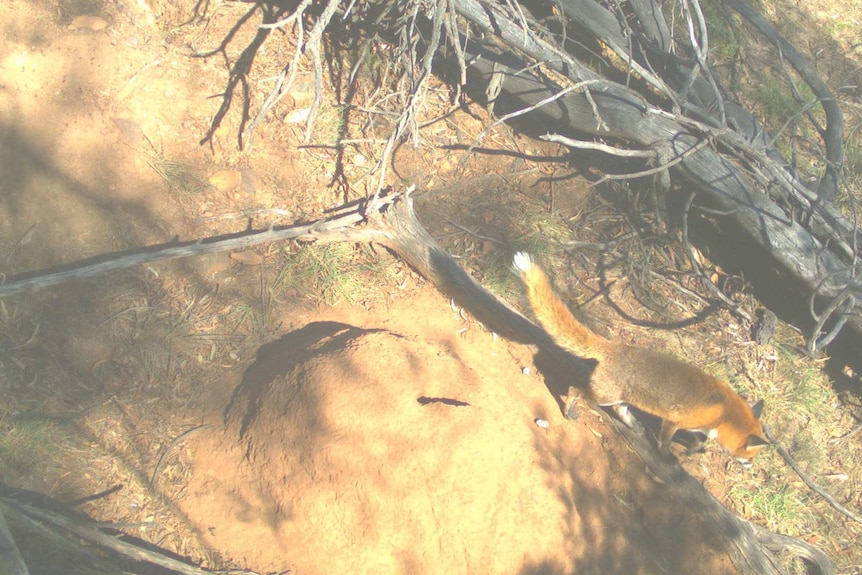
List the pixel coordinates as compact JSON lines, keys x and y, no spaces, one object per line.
{"x":398,"y":228}
{"x":714,"y":163}
{"x":11,"y":562}
{"x":391,"y":221}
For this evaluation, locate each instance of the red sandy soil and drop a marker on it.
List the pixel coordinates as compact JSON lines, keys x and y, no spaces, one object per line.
{"x":394,"y":445}
{"x":384,"y":440}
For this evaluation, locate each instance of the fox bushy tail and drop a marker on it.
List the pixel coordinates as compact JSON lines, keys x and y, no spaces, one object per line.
{"x":553,"y":314}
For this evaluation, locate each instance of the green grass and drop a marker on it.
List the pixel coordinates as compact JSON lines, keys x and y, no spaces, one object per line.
{"x":776,"y":504}
{"x":802,"y":411}
{"x":543,"y":234}
{"x":785,"y":117}
{"x":853,"y":157}
{"x":798,"y":389}
{"x":498,"y":276}
{"x":335,"y":273}
{"x":527,"y":228}
{"x":27,"y":441}
{"x":180,"y":177}
{"x":723,"y":43}
{"x":18,"y":338}
{"x":799,"y":407}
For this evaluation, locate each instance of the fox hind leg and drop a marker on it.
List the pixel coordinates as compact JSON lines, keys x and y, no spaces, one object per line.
{"x":696,"y":443}
{"x":668,"y":429}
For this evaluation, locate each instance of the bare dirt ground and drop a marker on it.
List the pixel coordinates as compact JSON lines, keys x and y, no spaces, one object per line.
{"x":341,"y":418}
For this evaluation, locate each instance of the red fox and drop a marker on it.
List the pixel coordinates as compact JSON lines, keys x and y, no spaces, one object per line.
{"x":683,"y":396}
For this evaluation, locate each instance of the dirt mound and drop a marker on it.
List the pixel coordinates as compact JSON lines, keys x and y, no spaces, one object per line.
{"x":348,"y":450}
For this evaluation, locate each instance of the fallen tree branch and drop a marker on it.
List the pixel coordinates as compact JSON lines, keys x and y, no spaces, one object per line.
{"x":832,"y":134}
{"x":776,"y":542}
{"x":613,"y":151}
{"x":747,"y":138}
{"x":824,"y":261}
{"x":391,"y":221}
{"x":748,"y":541}
{"x":668,"y":103}
{"x":337,"y":227}
{"x":11,"y":561}
{"x":398,"y":228}
{"x":95,"y":536}
{"x":49,"y":538}
{"x":698,"y":270}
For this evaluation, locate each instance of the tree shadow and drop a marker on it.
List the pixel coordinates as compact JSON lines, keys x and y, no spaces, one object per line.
{"x":271,"y":12}
{"x":616,"y":519}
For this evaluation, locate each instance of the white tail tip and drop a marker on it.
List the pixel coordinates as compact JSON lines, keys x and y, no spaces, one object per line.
{"x":522,"y":262}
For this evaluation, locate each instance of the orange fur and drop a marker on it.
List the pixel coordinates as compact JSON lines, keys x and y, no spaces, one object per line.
{"x":683,"y":396}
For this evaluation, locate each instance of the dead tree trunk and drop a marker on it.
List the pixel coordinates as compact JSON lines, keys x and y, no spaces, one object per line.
{"x":391,"y":222}
{"x":11,"y":562}
{"x":397,"y":227}
{"x":723,"y":157}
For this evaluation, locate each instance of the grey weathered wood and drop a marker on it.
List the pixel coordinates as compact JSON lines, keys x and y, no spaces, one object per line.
{"x":832,"y":132}
{"x":398,"y":228}
{"x":338,"y":227}
{"x":392,"y":222}
{"x":820,"y":257}
{"x":92,"y":533}
{"x":11,"y":561}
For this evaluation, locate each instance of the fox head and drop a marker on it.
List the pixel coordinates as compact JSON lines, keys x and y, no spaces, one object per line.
{"x":753,"y":441}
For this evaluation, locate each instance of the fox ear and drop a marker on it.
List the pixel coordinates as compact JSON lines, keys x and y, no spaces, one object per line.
{"x":757,"y":409}
{"x":755,"y":441}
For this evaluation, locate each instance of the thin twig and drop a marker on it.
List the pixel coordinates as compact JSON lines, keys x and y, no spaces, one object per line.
{"x":832,"y":134}
{"x":652,"y":171}
{"x":285,"y":80}
{"x":169,"y":449}
{"x":681,"y":288}
{"x":93,"y":497}
{"x":573,"y":245}
{"x":701,"y":52}
{"x":338,"y":226}
{"x":407,"y":120}
{"x":25,"y":237}
{"x":820,"y":563}
{"x":471,"y":232}
{"x":804,"y":477}
{"x":695,"y":266}
{"x":845,"y":300}
{"x":544,"y":102}
{"x":650,"y":154}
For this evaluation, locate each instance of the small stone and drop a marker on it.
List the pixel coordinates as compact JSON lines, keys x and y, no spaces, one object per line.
{"x":298,"y":116}
{"x":226,"y":180}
